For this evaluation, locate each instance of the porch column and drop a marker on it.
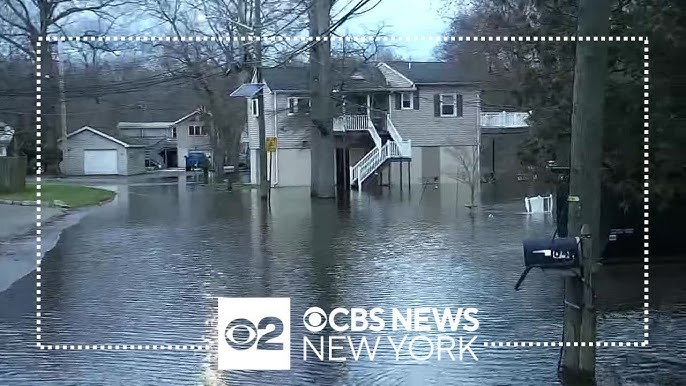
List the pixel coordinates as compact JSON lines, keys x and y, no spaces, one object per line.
{"x":369,"y":105}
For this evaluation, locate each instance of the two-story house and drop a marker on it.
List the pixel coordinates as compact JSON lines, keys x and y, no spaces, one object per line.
{"x":420,"y":116}
{"x":167,"y":143}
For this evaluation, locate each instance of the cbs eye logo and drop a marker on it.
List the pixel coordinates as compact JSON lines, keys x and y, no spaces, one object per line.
{"x":242,"y":334}
{"x":315,"y":319}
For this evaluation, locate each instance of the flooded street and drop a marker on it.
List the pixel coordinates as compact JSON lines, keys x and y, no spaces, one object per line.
{"x":147,"y":268}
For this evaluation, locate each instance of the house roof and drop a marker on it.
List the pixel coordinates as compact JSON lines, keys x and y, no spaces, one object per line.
{"x":112,"y":136}
{"x":367,"y":77}
{"x":144,"y":125}
{"x":192,"y":113}
{"x":154,"y":125}
{"x":248,"y":90}
{"x":286,"y":78}
{"x":350,"y":77}
{"x":440,"y":72}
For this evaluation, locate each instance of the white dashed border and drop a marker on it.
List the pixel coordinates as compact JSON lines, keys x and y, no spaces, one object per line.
{"x":204,"y":347}
{"x":646,"y":191}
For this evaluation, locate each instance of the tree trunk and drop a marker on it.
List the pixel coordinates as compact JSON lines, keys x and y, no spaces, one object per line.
{"x":322,"y":141}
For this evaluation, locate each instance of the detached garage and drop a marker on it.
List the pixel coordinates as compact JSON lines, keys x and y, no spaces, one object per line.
{"x":97,"y":152}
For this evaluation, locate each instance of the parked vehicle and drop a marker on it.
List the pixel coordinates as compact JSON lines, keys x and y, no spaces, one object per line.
{"x":196,"y":160}
{"x":244,"y":160}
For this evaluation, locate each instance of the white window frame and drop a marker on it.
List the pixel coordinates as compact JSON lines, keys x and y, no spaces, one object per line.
{"x":292,"y":105}
{"x":402,"y":100}
{"x":454,"y":104}
{"x":294,"y":102}
{"x":254,"y":107}
{"x":196,"y":131}
{"x":174,"y":133}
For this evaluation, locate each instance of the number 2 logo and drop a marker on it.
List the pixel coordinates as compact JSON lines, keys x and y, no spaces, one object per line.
{"x":241,"y":334}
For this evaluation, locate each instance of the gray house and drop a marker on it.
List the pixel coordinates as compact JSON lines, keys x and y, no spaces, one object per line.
{"x":421,"y":116}
{"x":92,"y":151}
{"x":167,"y":143}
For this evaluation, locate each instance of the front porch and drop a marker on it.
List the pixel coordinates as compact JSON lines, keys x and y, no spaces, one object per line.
{"x":368,"y":114}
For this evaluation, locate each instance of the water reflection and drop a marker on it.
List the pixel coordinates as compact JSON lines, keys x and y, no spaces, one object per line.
{"x":147,"y":269}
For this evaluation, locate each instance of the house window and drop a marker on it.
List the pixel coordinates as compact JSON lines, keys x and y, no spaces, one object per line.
{"x":406,"y":100}
{"x":255,"y":107}
{"x":196,"y":130}
{"x":448,"y":105}
{"x":174,"y":132}
{"x":298,"y":105}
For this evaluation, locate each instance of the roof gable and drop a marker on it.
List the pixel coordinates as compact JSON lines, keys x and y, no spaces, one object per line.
{"x":192,"y":113}
{"x":126,"y":142}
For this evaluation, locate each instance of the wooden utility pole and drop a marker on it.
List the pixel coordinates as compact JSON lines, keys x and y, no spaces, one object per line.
{"x":262,"y":160}
{"x":590,"y":76}
{"x":63,"y":105}
{"x":322,"y":143}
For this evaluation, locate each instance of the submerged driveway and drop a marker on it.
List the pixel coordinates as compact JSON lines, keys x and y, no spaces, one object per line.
{"x":147,"y":269}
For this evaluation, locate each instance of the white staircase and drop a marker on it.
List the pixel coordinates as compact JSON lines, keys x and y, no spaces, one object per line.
{"x":396,"y":148}
{"x":152,"y":152}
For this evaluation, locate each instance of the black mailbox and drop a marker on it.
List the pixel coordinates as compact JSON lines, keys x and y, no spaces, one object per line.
{"x":562,"y":254}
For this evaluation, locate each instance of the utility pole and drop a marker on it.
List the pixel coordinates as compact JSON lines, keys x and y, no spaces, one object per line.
{"x":590,"y":75}
{"x":63,"y":107}
{"x":264,"y":183}
{"x":322,"y":143}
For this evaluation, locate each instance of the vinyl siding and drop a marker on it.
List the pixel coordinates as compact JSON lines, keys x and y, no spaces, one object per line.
{"x":146,"y":133}
{"x":292,"y":129}
{"x":86,"y":140}
{"x":425,"y":129}
{"x":186,"y":143}
{"x":135,"y":160}
{"x":253,"y":122}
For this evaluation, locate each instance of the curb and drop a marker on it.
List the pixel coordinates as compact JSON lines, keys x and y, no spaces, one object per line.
{"x":32,"y":203}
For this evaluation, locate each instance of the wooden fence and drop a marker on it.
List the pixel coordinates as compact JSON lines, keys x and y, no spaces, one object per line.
{"x":12,"y":174}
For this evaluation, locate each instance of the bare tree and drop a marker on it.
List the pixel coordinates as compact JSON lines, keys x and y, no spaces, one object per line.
{"x":467,"y":171}
{"x":23,"y":22}
{"x":217,"y":66}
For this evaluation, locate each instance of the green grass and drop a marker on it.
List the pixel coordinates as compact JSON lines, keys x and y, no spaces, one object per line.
{"x":73,"y":195}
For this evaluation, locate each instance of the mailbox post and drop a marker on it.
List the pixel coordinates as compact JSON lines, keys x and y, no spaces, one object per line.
{"x":561,"y":255}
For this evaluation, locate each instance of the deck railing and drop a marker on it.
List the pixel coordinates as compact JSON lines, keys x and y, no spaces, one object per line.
{"x":395,"y":148}
{"x":404,"y":147}
{"x":504,"y":119}
{"x":357,"y":123}
{"x":350,"y":123}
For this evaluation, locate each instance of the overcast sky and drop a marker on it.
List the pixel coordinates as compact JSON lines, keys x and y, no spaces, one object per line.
{"x":404,"y":18}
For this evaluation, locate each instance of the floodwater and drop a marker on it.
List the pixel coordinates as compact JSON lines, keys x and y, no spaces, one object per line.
{"x":147,"y":270}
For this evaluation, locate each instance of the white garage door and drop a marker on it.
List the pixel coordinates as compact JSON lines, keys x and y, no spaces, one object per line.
{"x":100,"y":162}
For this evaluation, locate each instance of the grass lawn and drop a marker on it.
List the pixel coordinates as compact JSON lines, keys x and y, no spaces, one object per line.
{"x":73,"y":195}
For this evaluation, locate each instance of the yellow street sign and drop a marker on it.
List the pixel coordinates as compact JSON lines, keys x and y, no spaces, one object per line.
{"x":271,"y":144}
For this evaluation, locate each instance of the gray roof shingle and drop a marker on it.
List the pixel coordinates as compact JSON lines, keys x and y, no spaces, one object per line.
{"x":351,"y":77}
{"x":441,"y":72}
{"x":368,"y":77}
